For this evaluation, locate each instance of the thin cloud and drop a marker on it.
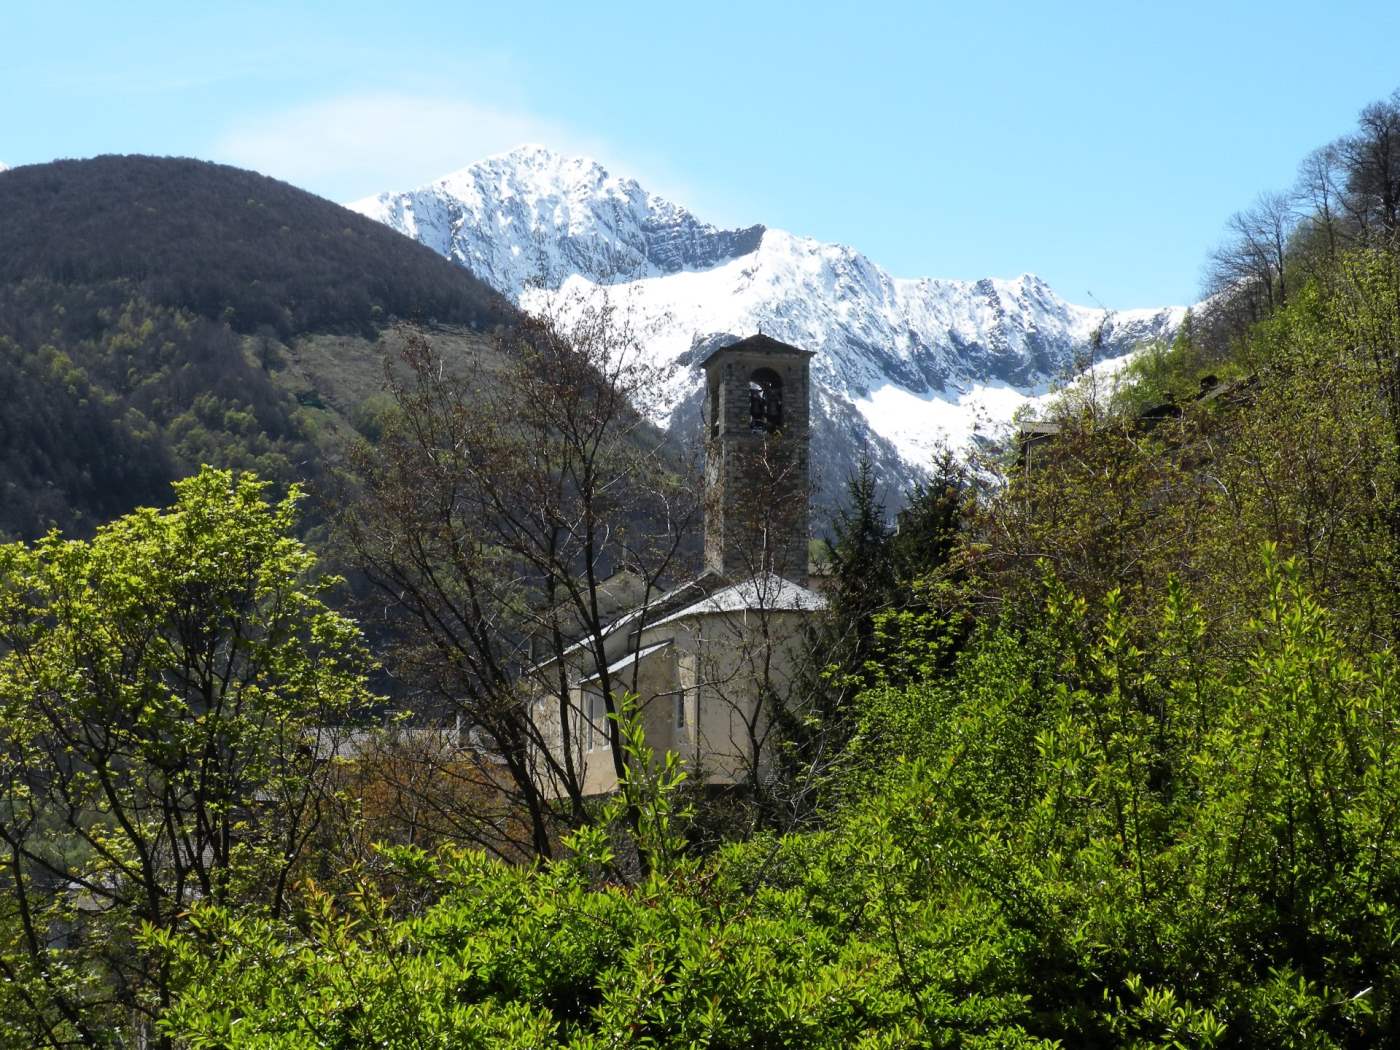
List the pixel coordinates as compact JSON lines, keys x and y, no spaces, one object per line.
{"x":353,"y":146}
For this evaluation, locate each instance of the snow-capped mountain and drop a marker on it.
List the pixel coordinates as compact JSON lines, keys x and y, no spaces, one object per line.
{"x":533,"y":217}
{"x":901,"y":364}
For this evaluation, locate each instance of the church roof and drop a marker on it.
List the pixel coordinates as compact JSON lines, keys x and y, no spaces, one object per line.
{"x":682,"y":594}
{"x":706,"y":594}
{"x":631,"y":658}
{"x":766,"y":591}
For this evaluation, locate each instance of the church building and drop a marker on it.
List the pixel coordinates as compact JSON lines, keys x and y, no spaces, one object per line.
{"x":716,"y":659}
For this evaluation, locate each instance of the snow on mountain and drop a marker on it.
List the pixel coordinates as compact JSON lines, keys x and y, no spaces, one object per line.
{"x":532,"y":217}
{"x":901,"y":365}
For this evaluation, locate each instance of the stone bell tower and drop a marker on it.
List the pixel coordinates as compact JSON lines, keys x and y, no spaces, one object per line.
{"x":756,"y":484}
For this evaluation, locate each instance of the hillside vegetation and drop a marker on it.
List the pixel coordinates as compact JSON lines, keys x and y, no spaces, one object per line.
{"x":151,"y":315}
{"x":1109,"y":754}
{"x":224,"y":244}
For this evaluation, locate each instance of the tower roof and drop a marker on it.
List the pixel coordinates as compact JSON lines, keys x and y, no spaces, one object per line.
{"x":760,"y":343}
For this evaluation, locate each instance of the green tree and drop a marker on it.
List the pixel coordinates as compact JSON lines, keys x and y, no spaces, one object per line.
{"x":166,"y":694}
{"x":489,"y":517}
{"x":863,"y":569}
{"x":928,"y":529}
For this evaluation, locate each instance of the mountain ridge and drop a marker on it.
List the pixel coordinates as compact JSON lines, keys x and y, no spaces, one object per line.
{"x":216,"y":238}
{"x":572,"y":205}
{"x":902,"y":363}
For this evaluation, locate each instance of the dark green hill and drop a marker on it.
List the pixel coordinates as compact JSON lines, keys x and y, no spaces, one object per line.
{"x":226,"y":244}
{"x":156,"y":313}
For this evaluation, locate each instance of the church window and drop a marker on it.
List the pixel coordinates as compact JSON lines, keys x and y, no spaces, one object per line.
{"x":597,"y":717}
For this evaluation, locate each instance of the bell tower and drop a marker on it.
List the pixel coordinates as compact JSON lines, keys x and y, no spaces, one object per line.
{"x":756,"y":472}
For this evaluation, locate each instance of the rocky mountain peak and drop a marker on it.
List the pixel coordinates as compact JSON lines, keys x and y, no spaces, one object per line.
{"x":902,"y":364}
{"x":532,"y":217}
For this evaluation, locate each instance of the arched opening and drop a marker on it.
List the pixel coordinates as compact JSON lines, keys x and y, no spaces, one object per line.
{"x":765,"y":400}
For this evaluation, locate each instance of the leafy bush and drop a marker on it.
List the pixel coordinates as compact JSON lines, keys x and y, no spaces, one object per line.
{"x":1076,"y":839}
{"x":1169,"y":825}
{"x":165,"y":693}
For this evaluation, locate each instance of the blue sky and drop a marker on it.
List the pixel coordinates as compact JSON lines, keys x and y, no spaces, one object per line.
{"x":1099,"y":145}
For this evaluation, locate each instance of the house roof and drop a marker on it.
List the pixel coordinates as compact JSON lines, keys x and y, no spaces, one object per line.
{"x":765,"y":591}
{"x":1233,"y":392}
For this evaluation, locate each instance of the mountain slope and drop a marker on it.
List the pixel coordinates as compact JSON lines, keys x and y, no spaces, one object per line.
{"x":901,"y":364}
{"x":226,"y":243}
{"x":159,"y":313}
{"x":532,"y":216}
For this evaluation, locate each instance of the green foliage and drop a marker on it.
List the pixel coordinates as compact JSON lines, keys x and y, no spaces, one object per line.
{"x":1303,"y":452}
{"x":928,"y":529}
{"x":861,"y":567}
{"x":895,"y":602}
{"x":228,"y":245}
{"x":1205,"y":845}
{"x":1108,"y":837}
{"x":1174,"y":372}
{"x":142,"y":301}
{"x":372,"y":416}
{"x":806,"y":942}
{"x":115,"y":397}
{"x":165,"y":690}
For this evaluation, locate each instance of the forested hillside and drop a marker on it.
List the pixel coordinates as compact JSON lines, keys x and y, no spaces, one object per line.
{"x":149,"y":311}
{"x":1101,"y":746}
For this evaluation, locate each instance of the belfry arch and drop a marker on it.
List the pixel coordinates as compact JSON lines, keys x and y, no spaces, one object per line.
{"x":765,"y":399}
